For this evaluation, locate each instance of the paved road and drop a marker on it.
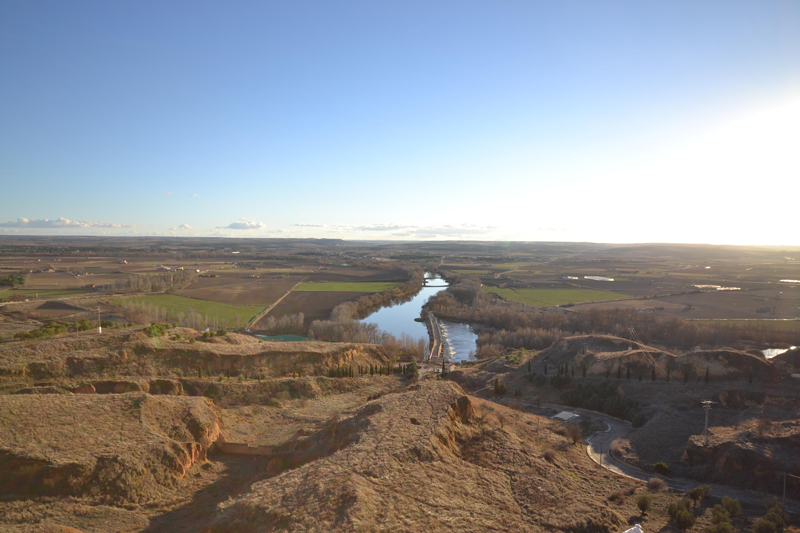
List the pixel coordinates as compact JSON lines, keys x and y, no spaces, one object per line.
{"x":598,"y":450}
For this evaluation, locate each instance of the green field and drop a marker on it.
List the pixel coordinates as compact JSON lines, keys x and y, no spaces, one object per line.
{"x":214,"y":310}
{"x":472,"y":272}
{"x":511,"y":265}
{"x":366,"y":286}
{"x":548,"y":297}
{"x":284,"y":338}
{"x":43,"y":293}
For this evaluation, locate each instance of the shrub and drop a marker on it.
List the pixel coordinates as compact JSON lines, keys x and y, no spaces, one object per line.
{"x":617,"y":497}
{"x":412,"y":371}
{"x":574,"y":432}
{"x":656,"y":484}
{"x":682,"y":505}
{"x":192,"y":340}
{"x":699,"y":493}
{"x":603,"y":398}
{"x":661,"y":468}
{"x":499,"y":388}
{"x":684,"y":520}
{"x":775,"y":514}
{"x":722,"y":527}
{"x":764,"y":526}
{"x":156,"y":330}
{"x":222,"y":332}
{"x":538,"y":380}
{"x":719,"y":514}
{"x":733,"y":507}
{"x":561,"y":381}
{"x":550,"y":455}
{"x":644,"y":502}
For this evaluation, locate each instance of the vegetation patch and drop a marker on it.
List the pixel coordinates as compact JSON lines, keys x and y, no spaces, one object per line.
{"x":548,"y":297}
{"x":40,"y":293}
{"x":175,"y":305}
{"x":284,"y":338}
{"x":366,"y":286}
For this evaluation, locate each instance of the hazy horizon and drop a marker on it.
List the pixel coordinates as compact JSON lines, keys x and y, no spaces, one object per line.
{"x":620,"y":123}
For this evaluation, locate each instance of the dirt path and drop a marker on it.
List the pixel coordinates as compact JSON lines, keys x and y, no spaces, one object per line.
{"x":263,"y":313}
{"x":598,"y":447}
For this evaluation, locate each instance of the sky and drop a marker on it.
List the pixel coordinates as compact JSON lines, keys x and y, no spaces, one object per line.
{"x":615,"y":121}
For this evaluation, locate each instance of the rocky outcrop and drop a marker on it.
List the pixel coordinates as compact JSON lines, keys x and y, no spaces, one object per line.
{"x":604,"y":353}
{"x":747,"y":459}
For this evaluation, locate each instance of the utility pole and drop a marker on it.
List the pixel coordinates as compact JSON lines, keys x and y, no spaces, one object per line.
{"x":99,"y":328}
{"x":784,"y":487}
{"x":707,"y":408}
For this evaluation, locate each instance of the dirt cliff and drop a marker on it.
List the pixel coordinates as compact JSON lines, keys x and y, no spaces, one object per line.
{"x":429,"y":459}
{"x":118,"y":448}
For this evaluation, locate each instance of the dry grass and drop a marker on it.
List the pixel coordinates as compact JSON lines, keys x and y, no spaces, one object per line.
{"x":126,"y":447}
{"x":501,"y":480}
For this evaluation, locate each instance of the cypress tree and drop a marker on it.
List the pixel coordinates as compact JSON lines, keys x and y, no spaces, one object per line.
{"x":529,"y":367}
{"x":583,"y":369}
{"x":572,"y":371}
{"x":443,"y":368}
{"x":653,"y":374}
{"x":628,"y":373}
{"x":706,"y":378}
{"x":619,"y":371}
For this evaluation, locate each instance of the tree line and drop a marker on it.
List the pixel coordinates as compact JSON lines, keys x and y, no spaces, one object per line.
{"x":520,"y":326}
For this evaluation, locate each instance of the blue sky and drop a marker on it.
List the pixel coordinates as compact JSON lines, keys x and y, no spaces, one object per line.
{"x":616,"y":122}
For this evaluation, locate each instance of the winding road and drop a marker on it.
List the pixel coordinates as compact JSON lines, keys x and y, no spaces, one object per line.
{"x":598,"y":447}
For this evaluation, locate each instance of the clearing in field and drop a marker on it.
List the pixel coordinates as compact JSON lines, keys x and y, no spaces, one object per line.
{"x":548,"y":297}
{"x":366,"y":286}
{"x":42,"y":293}
{"x":243,"y":293}
{"x":222,"y":313}
{"x":511,"y":265}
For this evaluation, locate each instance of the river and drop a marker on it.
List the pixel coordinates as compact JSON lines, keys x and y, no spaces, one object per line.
{"x":398,"y":319}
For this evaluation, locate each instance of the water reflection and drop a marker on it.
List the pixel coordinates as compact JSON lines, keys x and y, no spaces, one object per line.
{"x":769,"y":353}
{"x":398,"y":319}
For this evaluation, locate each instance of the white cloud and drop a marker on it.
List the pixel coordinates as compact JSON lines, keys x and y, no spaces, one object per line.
{"x":185,"y":226}
{"x":168,"y":193}
{"x":304,"y":225}
{"x":194,"y":195}
{"x":62,"y":222}
{"x":244,"y":223}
